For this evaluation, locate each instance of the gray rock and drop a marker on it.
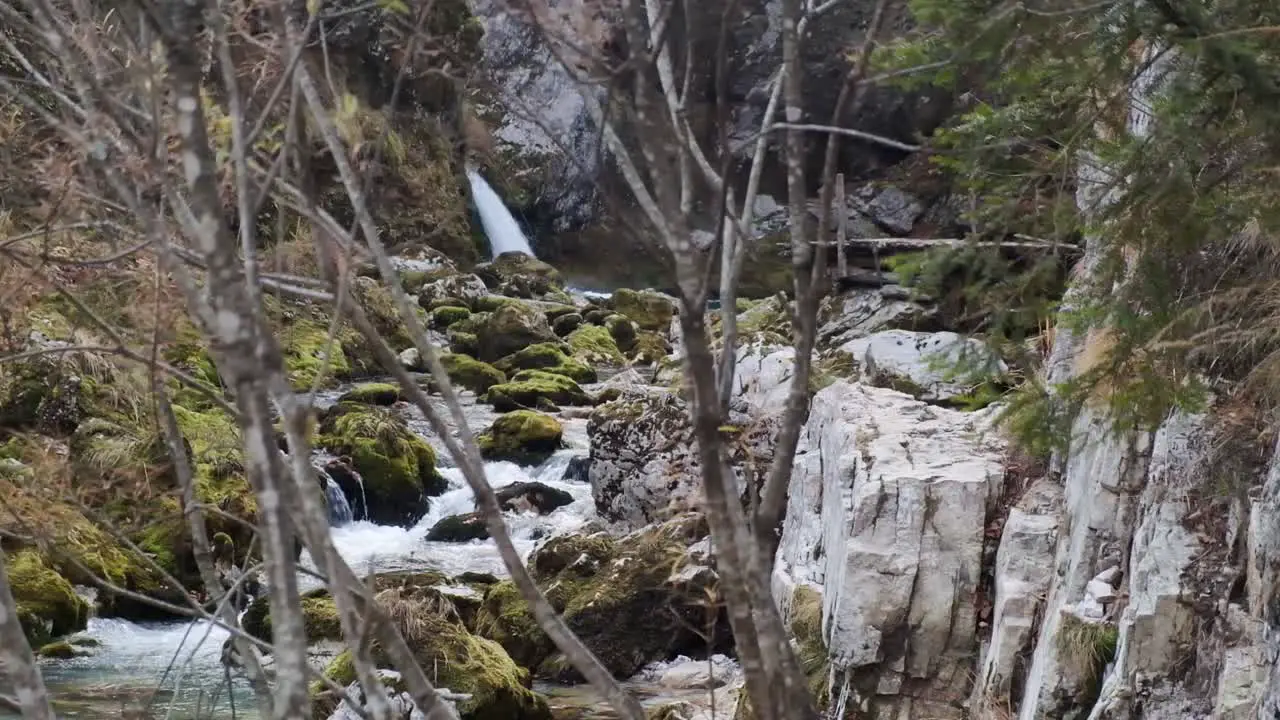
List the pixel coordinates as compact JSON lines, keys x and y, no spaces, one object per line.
{"x":889,"y":207}
{"x":930,"y":366}
{"x":467,"y":288}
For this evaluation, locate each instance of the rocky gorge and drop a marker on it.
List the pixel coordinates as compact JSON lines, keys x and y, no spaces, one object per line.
{"x":930,"y":567}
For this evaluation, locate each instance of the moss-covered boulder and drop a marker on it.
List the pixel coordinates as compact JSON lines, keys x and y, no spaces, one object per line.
{"x":319,"y":617}
{"x":650,"y":348}
{"x":61,"y":650}
{"x":521,"y":436}
{"x":531,"y":389}
{"x":48,"y":606}
{"x":458,"y":659}
{"x":625,"y":597}
{"x":448,"y":315}
{"x":566,"y":324}
{"x":45,"y":394}
{"x":459,"y":528}
{"x":463,"y":343}
{"x":511,"y":328}
{"x":623,"y":330}
{"x":397,"y":468}
{"x":532,"y":496}
{"x":650,"y":310}
{"x":594,"y":345}
{"x":549,"y":357}
{"x":311,"y":353}
{"x":518,"y":275}
{"x":373,"y":394}
{"x":470,"y":373}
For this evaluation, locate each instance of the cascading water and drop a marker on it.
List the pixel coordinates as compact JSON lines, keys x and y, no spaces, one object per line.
{"x":339,"y":509}
{"x":500,"y":225}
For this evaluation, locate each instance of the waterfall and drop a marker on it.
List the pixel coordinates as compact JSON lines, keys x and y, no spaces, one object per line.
{"x":339,"y":509}
{"x":500,"y":225}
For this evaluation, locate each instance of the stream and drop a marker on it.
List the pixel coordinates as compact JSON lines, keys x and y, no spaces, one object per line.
{"x":177,"y":663}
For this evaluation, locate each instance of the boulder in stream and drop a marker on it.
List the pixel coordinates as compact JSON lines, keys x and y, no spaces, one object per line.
{"x":534,"y":389}
{"x":524,"y":437}
{"x":512,"y":327}
{"x":459,"y":528}
{"x":538,"y":497}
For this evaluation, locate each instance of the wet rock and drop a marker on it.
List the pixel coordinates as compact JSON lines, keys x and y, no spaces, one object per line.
{"x":577,"y":469}
{"x":397,"y":468}
{"x":650,"y":310}
{"x":459,"y":528}
{"x":536,"y":496}
{"x":384,"y":394}
{"x":411,"y":359}
{"x":47,"y":605}
{"x":524,"y":437}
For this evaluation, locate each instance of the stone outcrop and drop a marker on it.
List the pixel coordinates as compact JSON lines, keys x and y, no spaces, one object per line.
{"x":886,"y":514}
{"x":930,"y":366}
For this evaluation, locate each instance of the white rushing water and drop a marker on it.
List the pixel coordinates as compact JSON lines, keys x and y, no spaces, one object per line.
{"x":500,"y":225}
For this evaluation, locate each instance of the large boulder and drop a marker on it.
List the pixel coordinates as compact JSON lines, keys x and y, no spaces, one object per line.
{"x":510,"y":328}
{"x":521,"y":436}
{"x":459,"y":528}
{"x":434,"y":622}
{"x":396,"y":469}
{"x":887,"y":515}
{"x":470,"y":373}
{"x":650,"y":310}
{"x":532,"y":496}
{"x":531,"y":389}
{"x":594,"y":345}
{"x":47,"y":605}
{"x":549,"y":357}
{"x":633,"y":600}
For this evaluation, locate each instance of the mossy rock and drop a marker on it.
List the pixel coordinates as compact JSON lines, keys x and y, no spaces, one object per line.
{"x":44,"y":394}
{"x":619,"y":595}
{"x":566,"y":324}
{"x":61,"y":650}
{"x":461,"y":290}
{"x":511,"y":328}
{"x":594,"y":345}
{"x":373,"y":394}
{"x":398,"y":468}
{"x":650,"y":310}
{"x":463,"y":343}
{"x":458,"y":659}
{"x":650,"y":348}
{"x":308,"y":351}
{"x":549,"y":357}
{"x":490,"y":303}
{"x":443,"y":317}
{"x":534,"y":388}
{"x":505,"y":618}
{"x":521,"y":436}
{"x":518,"y":275}
{"x":47,"y":605}
{"x":623,"y":330}
{"x":470,"y":373}
{"x":385,"y":317}
{"x":319,"y":617}
{"x":597,"y":315}
{"x":459,"y":528}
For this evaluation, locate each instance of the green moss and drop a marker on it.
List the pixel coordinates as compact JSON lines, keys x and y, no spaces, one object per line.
{"x":505,"y":618}
{"x":215,"y":440}
{"x":373,"y":394}
{"x":470,"y":373}
{"x":650,"y":347}
{"x":622,"y":329}
{"x":650,"y":310}
{"x":306,"y":346}
{"x":463,"y":343}
{"x":490,"y":303}
{"x":594,"y":345}
{"x":443,"y":317}
{"x":398,"y":468}
{"x":319,"y":618}
{"x":1087,"y":648}
{"x":511,"y":328}
{"x":520,"y":275}
{"x":61,"y":650}
{"x":521,"y":436}
{"x":47,"y":605}
{"x":342,"y":669}
{"x":549,"y":357}
{"x":534,"y":388}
